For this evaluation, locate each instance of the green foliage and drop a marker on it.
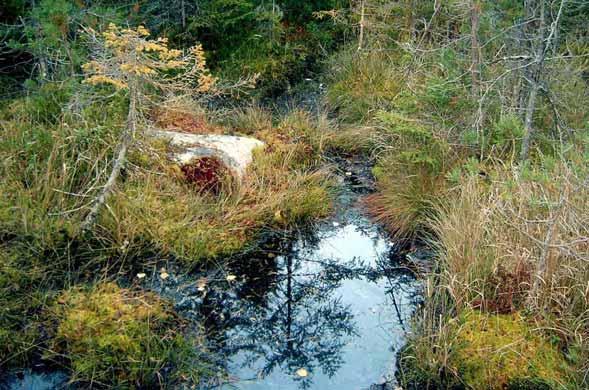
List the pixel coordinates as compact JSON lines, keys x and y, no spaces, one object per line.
{"x":485,"y":268}
{"x":11,"y":9}
{"x":446,"y":98}
{"x":51,"y":159}
{"x":439,"y":94}
{"x":411,"y":176}
{"x":277,"y":40}
{"x":281,"y":41}
{"x":407,"y":101}
{"x":439,"y":170}
{"x":121,"y":338}
{"x":416,"y":145}
{"x":21,"y":299}
{"x":362,"y":84}
{"x":501,"y":139}
{"x":47,"y":38}
{"x":42,"y":104}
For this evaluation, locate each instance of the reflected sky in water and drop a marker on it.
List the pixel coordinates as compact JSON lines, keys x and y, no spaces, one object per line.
{"x":334,"y":302}
{"x":34,"y":380}
{"x":336,"y":307}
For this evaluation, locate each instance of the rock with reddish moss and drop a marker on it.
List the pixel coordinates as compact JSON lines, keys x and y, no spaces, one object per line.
{"x":204,"y":157}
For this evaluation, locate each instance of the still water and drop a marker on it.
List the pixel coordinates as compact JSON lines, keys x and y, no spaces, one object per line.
{"x":321,"y":309}
{"x":333,"y":318}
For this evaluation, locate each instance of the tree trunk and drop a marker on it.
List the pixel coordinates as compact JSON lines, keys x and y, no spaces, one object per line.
{"x":543,"y":43}
{"x":540,"y":276}
{"x":534,"y":72}
{"x":528,"y":123}
{"x":289,"y":298}
{"x":410,"y":24}
{"x":475,"y":48}
{"x":183,"y":11}
{"x":361,"y":37}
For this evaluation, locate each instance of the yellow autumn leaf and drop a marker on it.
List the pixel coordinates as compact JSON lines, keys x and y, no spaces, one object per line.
{"x":302,"y":372}
{"x":201,"y":284}
{"x":163,"y":274}
{"x":278,"y":216}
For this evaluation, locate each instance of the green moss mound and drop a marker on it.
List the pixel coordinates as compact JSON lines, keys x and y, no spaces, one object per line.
{"x":487,"y":351}
{"x":117,"y":337}
{"x":499,"y":351}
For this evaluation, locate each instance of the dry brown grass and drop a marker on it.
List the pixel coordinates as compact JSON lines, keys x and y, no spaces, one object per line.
{"x":515,"y":244}
{"x":185,"y":116}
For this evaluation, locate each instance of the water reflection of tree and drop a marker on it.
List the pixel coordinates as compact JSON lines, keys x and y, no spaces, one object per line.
{"x":283,"y":313}
{"x":400,"y":282}
{"x":289,"y":319}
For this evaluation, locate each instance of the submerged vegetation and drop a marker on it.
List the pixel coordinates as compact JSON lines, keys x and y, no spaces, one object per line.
{"x":472,"y":113}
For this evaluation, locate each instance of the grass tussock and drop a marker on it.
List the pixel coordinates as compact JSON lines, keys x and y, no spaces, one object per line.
{"x":411,"y":173}
{"x":323,"y":134}
{"x":51,"y":175}
{"x":184,"y":115}
{"x":282,"y":189}
{"x":525,"y":253}
{"x":362,"y":84}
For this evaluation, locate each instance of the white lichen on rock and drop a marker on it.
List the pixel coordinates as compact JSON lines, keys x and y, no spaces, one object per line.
{"x":234,"y":151}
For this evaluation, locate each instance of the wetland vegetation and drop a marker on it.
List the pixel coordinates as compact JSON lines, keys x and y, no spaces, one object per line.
{"x":417,"y":217}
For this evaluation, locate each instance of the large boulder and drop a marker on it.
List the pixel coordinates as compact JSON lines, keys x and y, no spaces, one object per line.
{"x":236,"y":153}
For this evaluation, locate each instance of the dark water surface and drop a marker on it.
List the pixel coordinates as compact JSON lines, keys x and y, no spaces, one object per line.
{"x":337,"y":310}
{"x":30,"y":379}
{"x":322,"y":309}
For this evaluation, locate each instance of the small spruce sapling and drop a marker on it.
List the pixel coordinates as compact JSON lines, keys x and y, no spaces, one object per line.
{"x":141,"y":68}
